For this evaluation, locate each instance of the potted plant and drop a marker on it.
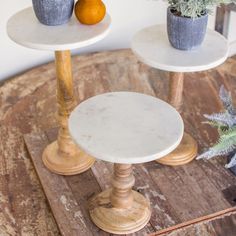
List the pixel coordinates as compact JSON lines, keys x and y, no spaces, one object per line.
{"x":187,"y":21}
{"x":225,"y":122}
{"x":53,"y":12}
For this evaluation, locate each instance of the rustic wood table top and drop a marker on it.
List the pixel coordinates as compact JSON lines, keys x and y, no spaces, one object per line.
{"x":28,"y":104}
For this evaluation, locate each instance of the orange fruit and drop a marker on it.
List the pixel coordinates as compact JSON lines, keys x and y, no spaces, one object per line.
{"x":90,"y":12}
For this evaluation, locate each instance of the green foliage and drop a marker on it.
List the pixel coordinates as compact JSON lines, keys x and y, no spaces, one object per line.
{"x":225,"y":122}
{"x":196,"y":8}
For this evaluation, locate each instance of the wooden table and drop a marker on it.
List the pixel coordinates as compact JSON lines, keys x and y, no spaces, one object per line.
{"x":28,"y":104}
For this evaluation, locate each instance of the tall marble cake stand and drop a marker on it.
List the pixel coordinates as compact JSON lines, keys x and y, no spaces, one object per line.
{"x":152,"y":47}
{"x":62,"y":156}
{"x":124,"y":128}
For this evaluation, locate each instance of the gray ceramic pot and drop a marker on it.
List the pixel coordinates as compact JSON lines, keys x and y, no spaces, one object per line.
{"x":53,"y":12}
{"x":186,"y":33}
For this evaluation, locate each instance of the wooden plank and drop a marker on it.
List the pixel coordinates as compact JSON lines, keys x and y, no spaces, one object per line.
{"x":178,"y":193}
{"x":28,"y":104}
{"x":82,"y":187}
{"x":193,"y":189}
{"x":20,"y":190}
{"x":200,"y":185}
{"x":66,"y":210}
{"x":73,"y":191}
{"x":163,"y":215}
{"x":194,"y":222}
{"x":76,"y":193}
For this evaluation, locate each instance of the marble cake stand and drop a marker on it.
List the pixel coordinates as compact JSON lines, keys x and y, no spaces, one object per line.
{"x":62,"y":156}
{"x":152,"y":47}
{"x":124,"y":128}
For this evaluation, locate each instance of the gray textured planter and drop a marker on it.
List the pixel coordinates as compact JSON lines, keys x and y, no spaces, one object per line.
{"x":186,"y":33}
{"x":53,"y":12}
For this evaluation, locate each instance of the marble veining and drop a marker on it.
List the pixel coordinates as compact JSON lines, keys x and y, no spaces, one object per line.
{"x":126,"y":127}
{"x":152,"y":47}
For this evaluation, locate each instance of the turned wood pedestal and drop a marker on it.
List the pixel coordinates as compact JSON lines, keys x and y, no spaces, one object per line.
{"x":120,"y":210}
{"x":187,"y":150}
{"x":152,"y":47}
{"x":62,"y":156}
{"x":124,"y":128}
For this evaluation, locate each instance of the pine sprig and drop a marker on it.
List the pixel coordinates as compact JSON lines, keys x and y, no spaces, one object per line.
{"x":225,"y":122}
{"x":224,"y":119}
{"x":196,"y":8}
{"x":225,"y":145}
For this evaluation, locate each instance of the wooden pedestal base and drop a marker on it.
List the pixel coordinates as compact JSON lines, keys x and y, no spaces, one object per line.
{"x":120,"y":210}
{"x":183,"y":154}
{"x":116,"y":220}
{"x":63,"y":165}
{"x":187,"y":150}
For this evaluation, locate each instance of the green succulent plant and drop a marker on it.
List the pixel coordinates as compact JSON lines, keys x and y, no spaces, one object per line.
{"x":225,"y":122}
{"x":196,"y":8}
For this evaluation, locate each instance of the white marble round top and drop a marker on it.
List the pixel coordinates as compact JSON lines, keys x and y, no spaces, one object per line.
{"x":152,"y":47}
{"x":126,"y":127}
{"x":25,"y":29}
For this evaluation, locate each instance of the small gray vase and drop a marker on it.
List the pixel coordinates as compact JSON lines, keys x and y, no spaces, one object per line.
{"x":53,"y":12}
{"x":186,"y":33}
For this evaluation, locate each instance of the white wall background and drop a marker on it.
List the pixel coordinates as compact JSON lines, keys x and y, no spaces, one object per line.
{"x":128,"y":16}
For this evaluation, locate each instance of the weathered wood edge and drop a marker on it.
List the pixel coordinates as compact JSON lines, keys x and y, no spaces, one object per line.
{"x":74,"y":227}
{"x":72,"y":222}
{"x":82,"y":191}
{"x":196,"y":221}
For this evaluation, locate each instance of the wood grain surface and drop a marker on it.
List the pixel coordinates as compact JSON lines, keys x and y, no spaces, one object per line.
{"x":63,"y":156}
{"x":28,"y":104}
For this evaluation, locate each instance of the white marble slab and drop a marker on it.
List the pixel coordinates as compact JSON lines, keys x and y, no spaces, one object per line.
{"x":25,"y":29}
{"x":126,"y":127}
{"x":152,"y":47}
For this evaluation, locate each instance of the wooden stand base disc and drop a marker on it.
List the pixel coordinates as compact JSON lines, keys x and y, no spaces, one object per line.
{"x":76,"y":164}
{"x":183,"y":154}
{"x":119,"y":221}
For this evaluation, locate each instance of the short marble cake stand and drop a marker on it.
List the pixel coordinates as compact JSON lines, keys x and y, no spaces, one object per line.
{"x":124,"y":128}
{"x":62,"y":156}
{"x":152,"y":47}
